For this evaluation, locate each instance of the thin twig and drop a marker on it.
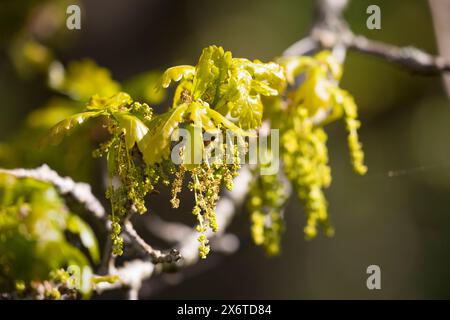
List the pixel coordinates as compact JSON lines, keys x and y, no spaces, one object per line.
{"x":302,"y":47}
{"x":131,"y":275}
{"x":79,"y":191}
{"x":411,"y":58}
{"x":331,"y":31}
{"x":157,"y":256}
{"x":170,"y":232}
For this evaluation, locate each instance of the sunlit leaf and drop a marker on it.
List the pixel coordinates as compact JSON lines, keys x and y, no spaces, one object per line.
{"x":53,"y":112}
{"x":85,"y":78}
{"x":220,"y":120}
{"x":176,"y":74}
{"x":113,"y":103}
{"x":76,"y":225}
{"x":193,"y":152}
{"x":296,"y":65}
{"x":135,"y":129}
{"x":65,"y":126}
{"x":156,"y":143}
{"x":210,"y":72}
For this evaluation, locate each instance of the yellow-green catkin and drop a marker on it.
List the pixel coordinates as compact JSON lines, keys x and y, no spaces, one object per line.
{"x":318,"y":101}
{"x":305,"y":159}
{"x":206,"y":180}
{"x":265,"y":204}
{"x":352,"y":125}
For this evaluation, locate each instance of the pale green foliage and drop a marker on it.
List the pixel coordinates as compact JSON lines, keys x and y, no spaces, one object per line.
{"x":176,"y":74}
{"x":301,"y":120}
{"x":84,"y":78}
{"x":33,"y":223}
{"x":30,"y":56}
{"x":219,"y":86}
{"x":158,"y":142}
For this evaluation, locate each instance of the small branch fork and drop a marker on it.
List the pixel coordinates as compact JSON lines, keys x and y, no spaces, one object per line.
{"x":330,"y":31}
{"x":409,"y":58}
{"x":156,"y":256}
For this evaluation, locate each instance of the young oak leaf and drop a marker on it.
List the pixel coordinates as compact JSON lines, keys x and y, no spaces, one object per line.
{"x":84,"y":78}
{"x":268,"y":77}
{"x":211,"y":71}
{"x":111,"y":103}
{"x":322,"y":72}
{"x":220,"y":120}
{"x":116,"y":107}
{"x":156,"y":143}
{"x":295,"y":65}
{"x":135,"y":130}
{"x":241,"y":93}
{"x":64,"y":127}
{"x":230,"y":85}
{"x":77,"y":226}
{"x":176,"y":74}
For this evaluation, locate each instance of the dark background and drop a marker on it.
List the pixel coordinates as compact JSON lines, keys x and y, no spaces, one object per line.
{"x":397,"y":216}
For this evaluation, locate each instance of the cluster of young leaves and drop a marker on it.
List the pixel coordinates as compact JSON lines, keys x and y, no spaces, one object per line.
{"x":217,"y":87}
{"x":221,"y":94}
{"x":34,"y":222}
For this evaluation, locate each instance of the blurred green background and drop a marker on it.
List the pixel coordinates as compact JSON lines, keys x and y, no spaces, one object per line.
{"x":397,"y":216}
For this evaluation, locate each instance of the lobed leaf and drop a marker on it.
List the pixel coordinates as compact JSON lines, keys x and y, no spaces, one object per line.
{"x":85,"y":78}
{"x":210,"y":72}
{"x":176,"y":74}
{"x":64,"y":127}
{"x":113,"y":103}
{"x":155,"y":145}
{"x":77,"y":226}
{"x":135,"y":130}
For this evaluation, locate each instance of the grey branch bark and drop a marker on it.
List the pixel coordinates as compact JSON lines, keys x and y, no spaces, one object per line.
{"x":410,"y":58}
{"x":330,"y":31}
{"x":157,"y":256}
{"x":79,"y":191}
{"x":440,"y":10}
{"x":131,"y":275}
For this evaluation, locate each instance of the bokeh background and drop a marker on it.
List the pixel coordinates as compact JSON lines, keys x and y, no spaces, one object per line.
{"x":397,"y":216}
